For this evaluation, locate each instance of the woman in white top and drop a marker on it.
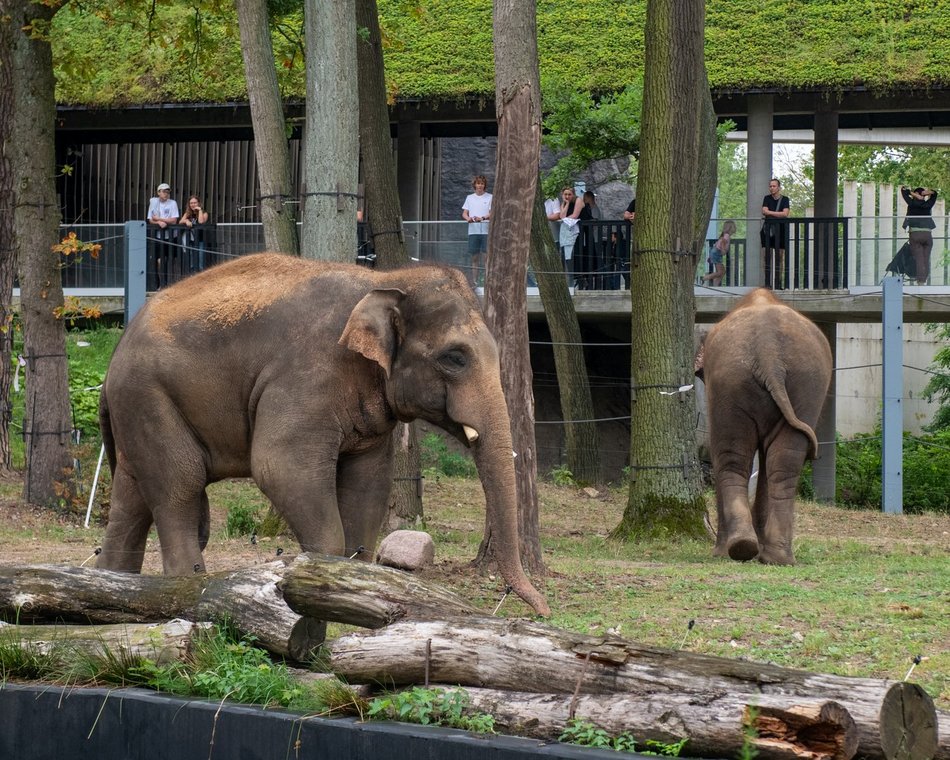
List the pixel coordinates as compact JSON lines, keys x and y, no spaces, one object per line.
{"x":569,"y":215}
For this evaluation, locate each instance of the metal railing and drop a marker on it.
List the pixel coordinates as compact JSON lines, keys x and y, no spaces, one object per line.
{"x":828,"y":253}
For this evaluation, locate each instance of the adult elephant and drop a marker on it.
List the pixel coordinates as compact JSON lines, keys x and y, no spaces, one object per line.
{"x":767,"y":370}
{"x":295,"y":372}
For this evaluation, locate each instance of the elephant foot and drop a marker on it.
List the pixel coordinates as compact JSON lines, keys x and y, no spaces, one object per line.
{"x":743,"y":549}
{"x":774,"y":556}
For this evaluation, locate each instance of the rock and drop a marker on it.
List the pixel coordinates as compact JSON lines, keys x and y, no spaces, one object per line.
{"x":406,"y":549}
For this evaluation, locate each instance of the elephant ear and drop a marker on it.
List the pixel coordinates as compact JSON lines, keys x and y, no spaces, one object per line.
{"x":375,"y":327}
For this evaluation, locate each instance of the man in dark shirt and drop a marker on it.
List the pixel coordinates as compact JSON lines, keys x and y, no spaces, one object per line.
{"x":774,"y":235}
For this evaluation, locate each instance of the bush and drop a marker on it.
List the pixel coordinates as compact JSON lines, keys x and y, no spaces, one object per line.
{"x":436,"y":457}
{"x":926,"y":469}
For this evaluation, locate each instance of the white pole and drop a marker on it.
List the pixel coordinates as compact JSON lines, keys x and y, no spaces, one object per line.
{"x":95,"y":482}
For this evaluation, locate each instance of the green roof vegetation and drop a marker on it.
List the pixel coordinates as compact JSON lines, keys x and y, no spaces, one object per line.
{"x":442,"y":49}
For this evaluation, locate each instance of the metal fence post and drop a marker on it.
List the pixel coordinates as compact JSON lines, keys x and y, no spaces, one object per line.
{"x":892,"y":423}
{"x":134,"y":268}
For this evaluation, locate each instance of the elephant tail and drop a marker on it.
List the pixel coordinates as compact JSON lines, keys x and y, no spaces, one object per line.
{"x":105,"y":427}
{"x":776,"y":387}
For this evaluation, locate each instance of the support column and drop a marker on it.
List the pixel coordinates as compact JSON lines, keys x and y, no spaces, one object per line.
{"x":892,"y":413}
{"x":823,"y":468}
{"x":409,"y":179}
{"x":826,"y":197}
{"x":135,"y":263}
{"x":758,"y":174}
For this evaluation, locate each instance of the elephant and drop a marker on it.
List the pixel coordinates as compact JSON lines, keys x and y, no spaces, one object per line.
{"x":295,"y":373}
{"x":767,"y":369}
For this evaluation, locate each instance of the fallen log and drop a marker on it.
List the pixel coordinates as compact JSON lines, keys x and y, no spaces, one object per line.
{"x":159,"y":642}
{"x":783,"y":729}
{"x":247,"y":598}
{"x":894,"y":721}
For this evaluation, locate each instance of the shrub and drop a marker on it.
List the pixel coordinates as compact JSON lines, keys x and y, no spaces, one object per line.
{"x":437,"y":458}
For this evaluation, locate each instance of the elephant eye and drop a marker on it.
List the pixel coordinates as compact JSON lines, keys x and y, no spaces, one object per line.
{"x":453,"y":360}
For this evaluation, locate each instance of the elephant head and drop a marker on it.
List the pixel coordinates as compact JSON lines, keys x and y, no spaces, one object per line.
{"x":440,"y":364}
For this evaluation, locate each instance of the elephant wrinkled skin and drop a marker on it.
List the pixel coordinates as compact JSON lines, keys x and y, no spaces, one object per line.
{"x":767,"y":371}
{"x":295,"y":373}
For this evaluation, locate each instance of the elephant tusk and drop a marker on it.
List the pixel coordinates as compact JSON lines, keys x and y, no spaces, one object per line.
{"x":470,"y":433}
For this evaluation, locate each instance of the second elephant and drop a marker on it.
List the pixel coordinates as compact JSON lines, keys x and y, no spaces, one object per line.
{"x":767,"y":370}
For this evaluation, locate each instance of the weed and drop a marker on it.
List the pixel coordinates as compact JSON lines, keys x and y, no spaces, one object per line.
{"x":586,"y":734}
{"x":438,"y":707}
{"x":438,"y":460}
{"x":561,"y":476}
{"x":749,"y":734}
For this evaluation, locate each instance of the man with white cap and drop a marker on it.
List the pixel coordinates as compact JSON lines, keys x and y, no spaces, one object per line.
{"x":162,"y":212}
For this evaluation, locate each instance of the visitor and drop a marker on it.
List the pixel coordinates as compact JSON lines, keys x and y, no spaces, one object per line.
{"x":162,"y":217}
{"x":193,"y":238}
{"x":717,"y":253}
{"x":919,"y":223}
{"x":774,"y":235}
{"x":477,"y":211}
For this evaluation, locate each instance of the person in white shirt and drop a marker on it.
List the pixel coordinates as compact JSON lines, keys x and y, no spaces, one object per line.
{"x":477,"y":211}
{"x":162,"y":216}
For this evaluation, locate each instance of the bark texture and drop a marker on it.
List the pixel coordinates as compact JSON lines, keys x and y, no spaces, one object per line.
{"x":7,"y":250}
{"x":159,"y":642}
{"x":383,"y":214}
{"x":665,"y":496}
{"x":270,"y":137}
{"x":47,"y":421}
{"x":518,"y":111}
{"x":581,"y":446}
{"x":892,"y":720}
{"x":331,"y":141}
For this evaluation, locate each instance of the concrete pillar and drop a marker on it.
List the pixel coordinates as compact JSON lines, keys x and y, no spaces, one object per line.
{"x":135,"y":264}
{"x":409,"y":179}
{"x":758,"y":174}
{"x":826,"y":192}
{"x":823,"y":468}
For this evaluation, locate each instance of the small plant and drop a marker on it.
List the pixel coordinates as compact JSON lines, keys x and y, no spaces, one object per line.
{"x":561,"y":476}
{"x":437,"y":707}
{"x":586,"y":734}
{"x":242,"y":520}
{"x":749,"y":734}
{"x":437,"y":459}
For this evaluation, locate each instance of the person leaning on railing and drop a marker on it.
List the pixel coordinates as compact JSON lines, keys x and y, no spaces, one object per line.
{"x":193,"y":238}
{"x":919,"y":223}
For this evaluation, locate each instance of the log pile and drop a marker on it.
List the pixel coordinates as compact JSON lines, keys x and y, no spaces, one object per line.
{"x":532,"y":677}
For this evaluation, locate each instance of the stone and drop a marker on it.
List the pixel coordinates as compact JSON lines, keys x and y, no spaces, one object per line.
{"x":406,"y":550}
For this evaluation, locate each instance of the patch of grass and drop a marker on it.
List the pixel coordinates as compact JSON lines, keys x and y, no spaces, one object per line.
{"x":438,"y":460}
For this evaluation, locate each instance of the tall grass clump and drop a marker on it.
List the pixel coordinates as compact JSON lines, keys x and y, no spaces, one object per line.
{"x":437,"y":459}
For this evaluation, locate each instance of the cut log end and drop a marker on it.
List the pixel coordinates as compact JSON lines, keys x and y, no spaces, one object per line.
{"x":824,"y":731}
{"x":305,"y":638}
{"x":908,"y":723}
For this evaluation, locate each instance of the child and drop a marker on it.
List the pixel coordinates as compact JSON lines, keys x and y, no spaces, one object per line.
{"x":719,"y":249}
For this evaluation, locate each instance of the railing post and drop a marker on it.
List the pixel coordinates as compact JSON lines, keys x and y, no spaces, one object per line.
{"x":892,"y":424}
{"x":135,"y":246}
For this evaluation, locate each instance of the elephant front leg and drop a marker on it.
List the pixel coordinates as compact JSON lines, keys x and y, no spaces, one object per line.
{"x":364,"y":482}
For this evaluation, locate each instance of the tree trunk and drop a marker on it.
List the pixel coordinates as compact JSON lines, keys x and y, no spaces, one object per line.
{"x":331,"y":140}
{"x":518,"y":110}
{"x":159,"y":642}
{"x":270,"y":138}
{"x":384,"y":217}
{"x":7,"y":243}
{"x":47,"y":422}
{"x":577,"y":407}
{"x":785,"y":728}
{"x":893,"y":720}
{"x":665,"y":489}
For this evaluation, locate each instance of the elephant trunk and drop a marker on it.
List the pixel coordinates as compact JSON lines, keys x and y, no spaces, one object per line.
{"x":494,"y":459}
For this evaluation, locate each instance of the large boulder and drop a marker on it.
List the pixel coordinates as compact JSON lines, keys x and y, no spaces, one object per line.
{"x":406,"y":549}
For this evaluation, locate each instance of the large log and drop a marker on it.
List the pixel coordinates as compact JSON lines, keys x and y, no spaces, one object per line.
{"x":783,"y":728}
{"x":159,"y":642}
{"x":895,"y":721}
{"x":247,"y":598}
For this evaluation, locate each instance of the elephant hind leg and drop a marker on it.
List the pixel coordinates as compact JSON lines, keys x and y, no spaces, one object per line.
{"x":736,"y":536}
{"x":123,"y":548}
{"x":204,"y":525}
{"x":774,"y":510}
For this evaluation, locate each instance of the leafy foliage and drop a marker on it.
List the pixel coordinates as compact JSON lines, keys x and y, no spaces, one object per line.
{"x":437,"y":459}
{"x":908,"y":165}
{"x":114,"y":52}
{"x":586,"y":734}
{"x":938,"y":387}
{"x":437,"y":707}
{"x":926,"y":465}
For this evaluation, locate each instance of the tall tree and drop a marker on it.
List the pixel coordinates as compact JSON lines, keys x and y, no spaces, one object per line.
{"x":270,"y":138}
{"x":331,"y":142}
{"x":385,"y":225}
{"x":581,"y":446}
{"x":518,"y":111}
{"x":665,"y":495}
{"x":7,"y":257}
{"x":47,"y":421}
